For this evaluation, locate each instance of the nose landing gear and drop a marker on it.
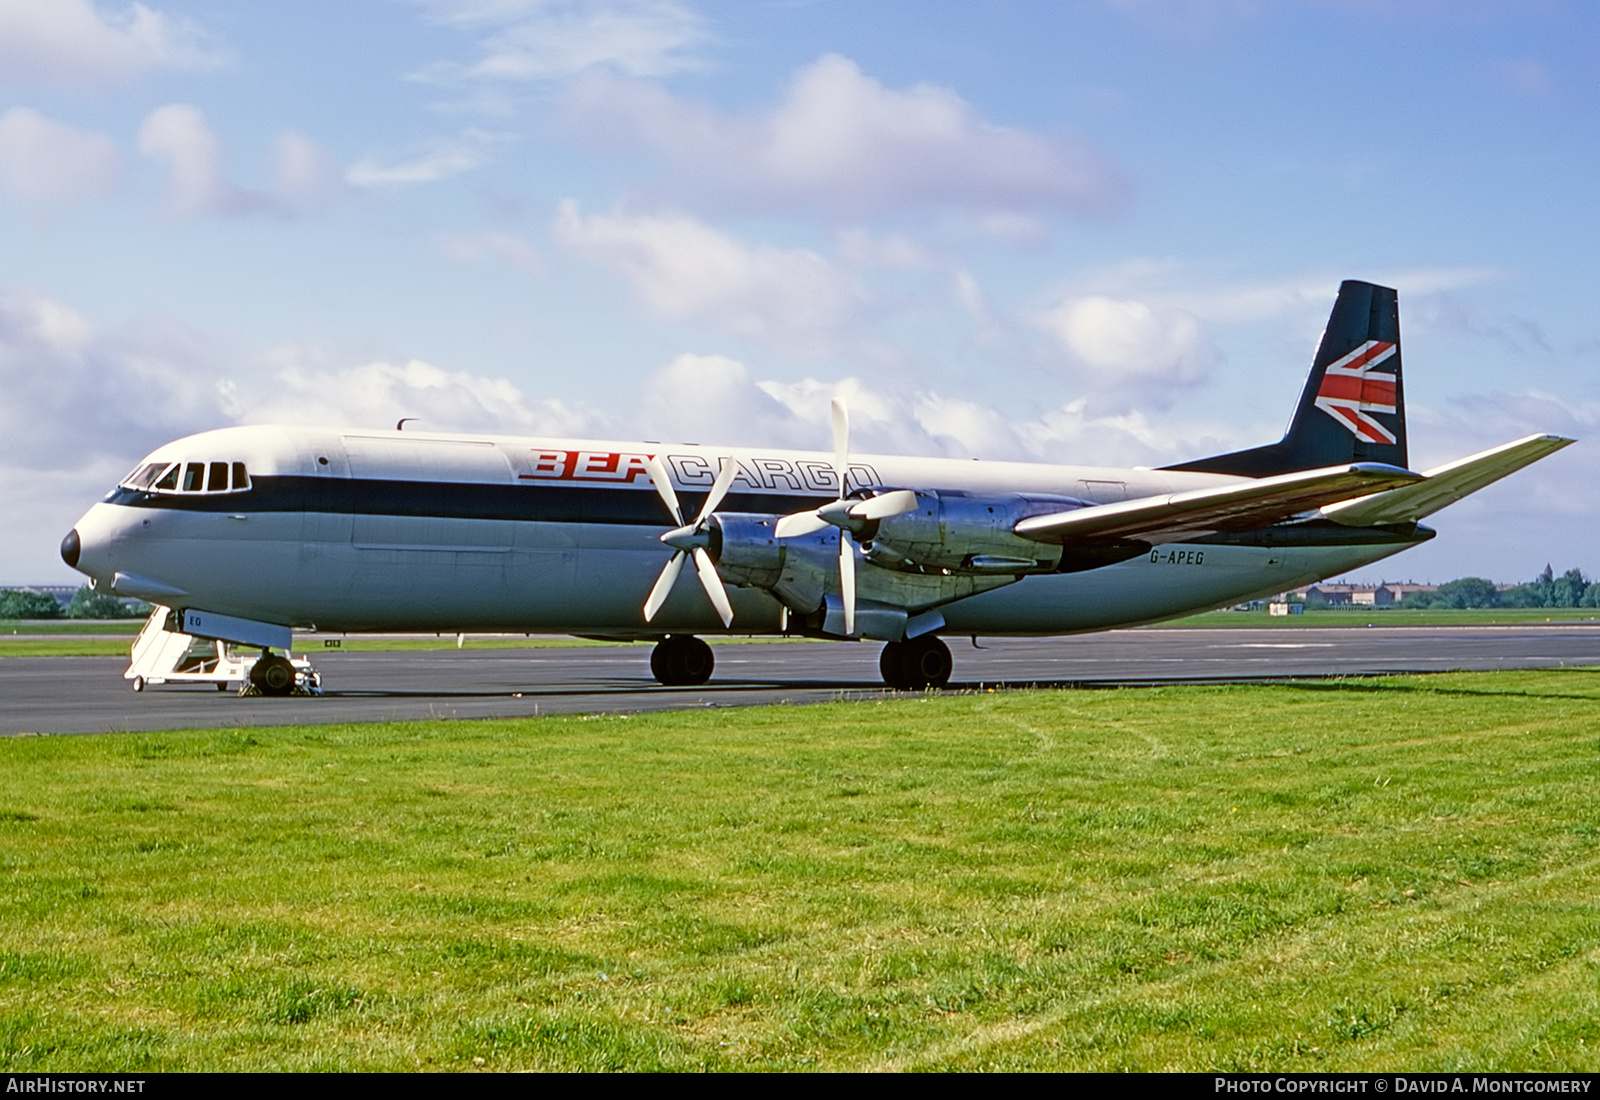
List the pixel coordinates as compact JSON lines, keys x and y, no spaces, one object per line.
{"x":273,"y":675}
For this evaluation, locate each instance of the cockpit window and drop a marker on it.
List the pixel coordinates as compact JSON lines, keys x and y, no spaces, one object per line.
{"x":189,"y":477}
{"x":145,"y":476}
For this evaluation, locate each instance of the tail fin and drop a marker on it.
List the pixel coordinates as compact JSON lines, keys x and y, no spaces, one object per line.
{"x":1353,"y":408}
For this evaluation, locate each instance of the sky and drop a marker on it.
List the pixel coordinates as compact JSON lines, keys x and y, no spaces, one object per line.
{"x":1080,"y":231}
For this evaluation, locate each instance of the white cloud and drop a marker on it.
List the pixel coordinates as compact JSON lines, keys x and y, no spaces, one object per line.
{"x":553,"y":39}
{"x":178,"y":135}
{"x":714,"y":399}
{"x":843,"y":143}
{"x":684,"y":269}
{"x":1172,"y":284}
{"x":1126,"y":342}
{"x":507,"y":248}
{"x":305,"y":176}
{"x":75,"y":44}
{"x":295,"y":387}
{"x":895,"y":252}
{"x":442,"y":159}
{"x":42,"y":160}
{"x":76,"y":396}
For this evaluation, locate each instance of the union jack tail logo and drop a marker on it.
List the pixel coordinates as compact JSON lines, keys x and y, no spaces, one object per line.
{"x":1353,"y":388}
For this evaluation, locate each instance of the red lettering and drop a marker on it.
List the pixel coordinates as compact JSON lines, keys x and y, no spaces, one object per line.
{"x":632,"y":466}
{"x":549,"y":463}
{"x":591,"y":463}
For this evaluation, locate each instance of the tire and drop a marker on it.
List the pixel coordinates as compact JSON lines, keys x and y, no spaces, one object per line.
{"x":273,"y":675}
{"x":138,"y":683}
{"x":682,"y":661}
{"x":917,"y":664}
{"x":889,"y":665}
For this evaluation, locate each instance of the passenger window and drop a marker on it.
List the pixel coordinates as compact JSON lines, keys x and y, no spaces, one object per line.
{"x":241,"y":479}
{"x":194,"y":476}
{"x":170,"y":481}
{"x":218,"y":479}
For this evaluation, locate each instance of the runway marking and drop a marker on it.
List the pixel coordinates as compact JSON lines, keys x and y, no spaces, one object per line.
{"x":1275,"y":645}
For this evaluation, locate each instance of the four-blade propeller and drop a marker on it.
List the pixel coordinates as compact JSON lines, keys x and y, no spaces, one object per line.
{"x":690,"y":540}
{"x":851,"y":517}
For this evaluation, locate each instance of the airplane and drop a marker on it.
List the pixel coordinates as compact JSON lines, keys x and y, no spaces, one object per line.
{"x":242,"y":535}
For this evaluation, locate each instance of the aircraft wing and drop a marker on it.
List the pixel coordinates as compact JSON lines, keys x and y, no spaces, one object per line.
{"x":1445,"y":484}
{"x":1236,"y":507}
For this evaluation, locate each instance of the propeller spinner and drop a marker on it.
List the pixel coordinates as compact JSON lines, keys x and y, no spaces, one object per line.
{"x":851,"y":517}
{"x":690,"y":540}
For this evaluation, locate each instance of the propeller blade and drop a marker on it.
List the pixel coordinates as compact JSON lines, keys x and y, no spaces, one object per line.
{"x":847,"y":583}
{"x":897,"y":503}
{"x":801,"y":523}
{"x":663,"y":484}
{"x":664,"y":583}
{"x":841,"y":442}
{"x":719,"y":489}
{"x":713,"y":585}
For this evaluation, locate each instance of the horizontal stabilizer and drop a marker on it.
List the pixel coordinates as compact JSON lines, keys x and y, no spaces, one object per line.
{"x":1445,"y":484}
{"x":1237,"y":507}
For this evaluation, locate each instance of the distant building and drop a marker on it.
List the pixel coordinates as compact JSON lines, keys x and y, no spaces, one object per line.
{"x":61,"y":593}
{"x":1386,"y":594}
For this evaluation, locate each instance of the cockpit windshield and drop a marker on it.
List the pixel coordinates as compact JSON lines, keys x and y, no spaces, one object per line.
{"x":189,"y":477}
{"x":145,"y":476}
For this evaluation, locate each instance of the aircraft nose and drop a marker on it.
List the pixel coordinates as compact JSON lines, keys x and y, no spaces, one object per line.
{"x":71,"y":547}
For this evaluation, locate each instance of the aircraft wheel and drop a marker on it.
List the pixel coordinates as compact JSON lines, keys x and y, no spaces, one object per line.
{"x":273,"y":675}
{"x":138,"y":683}
{"x":682,"y":661}
{"x":889,"y":665}
{"x":919,"y":663}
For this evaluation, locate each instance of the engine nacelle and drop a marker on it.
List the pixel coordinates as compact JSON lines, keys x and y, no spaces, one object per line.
{"x":966,"y":533}
{"x":796,"y":572}
{"x":745,"y":549}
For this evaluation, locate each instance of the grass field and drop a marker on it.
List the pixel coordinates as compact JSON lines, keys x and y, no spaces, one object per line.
{"x":1371,"y":874}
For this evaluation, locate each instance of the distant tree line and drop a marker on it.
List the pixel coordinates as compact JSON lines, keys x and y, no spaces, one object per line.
{"x":20,"y":603}
{"x":1571,"y":589}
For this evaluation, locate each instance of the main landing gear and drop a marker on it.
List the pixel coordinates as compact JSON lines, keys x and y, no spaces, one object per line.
{"x":916,"y":664}
{"x":682,"y":661}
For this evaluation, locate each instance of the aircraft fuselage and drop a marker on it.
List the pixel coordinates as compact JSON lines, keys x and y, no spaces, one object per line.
{"x":382,"y":531}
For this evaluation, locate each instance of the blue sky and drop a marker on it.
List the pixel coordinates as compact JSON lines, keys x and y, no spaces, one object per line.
{"x":1095,"y":231}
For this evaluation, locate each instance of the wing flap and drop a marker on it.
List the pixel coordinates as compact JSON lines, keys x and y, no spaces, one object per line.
{"x":1239,"y":506}
{"x":1445,"y":484}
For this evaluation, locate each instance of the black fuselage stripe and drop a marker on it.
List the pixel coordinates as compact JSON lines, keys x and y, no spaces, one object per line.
{"x":457,"y":500}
